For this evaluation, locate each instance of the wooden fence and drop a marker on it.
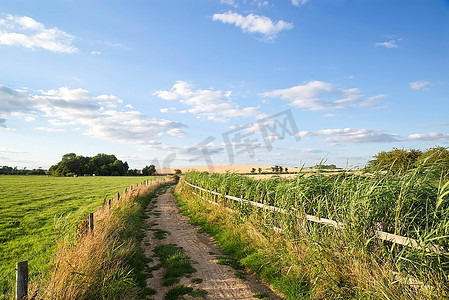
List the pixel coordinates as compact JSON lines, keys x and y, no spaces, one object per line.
{"x":22,"y":273}
{"x":378,"y":233}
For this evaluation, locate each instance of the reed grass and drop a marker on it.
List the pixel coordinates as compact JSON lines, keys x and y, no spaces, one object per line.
{"x":353,"y":262}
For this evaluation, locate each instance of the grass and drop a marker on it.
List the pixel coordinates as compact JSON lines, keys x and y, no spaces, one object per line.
{"x":197,"y":280}
{"x":222,"y":260}
{"x":159,"y":233}
{"x":178,"y":291}
{"x":35,"y":209}
{"x":108,"y":263}
{"x":175,"y":262}
{"x":260,"y":295}
{"x":315,"y":261}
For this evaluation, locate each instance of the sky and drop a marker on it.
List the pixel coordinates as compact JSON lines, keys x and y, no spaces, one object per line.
{"x":187,"y":83}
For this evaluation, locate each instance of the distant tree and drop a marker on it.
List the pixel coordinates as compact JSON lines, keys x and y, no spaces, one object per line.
{"x":325,"y":167}
{"x":280,"y":169}
{"x":286,"y":170}
{"x":133,"y":172}
{"x":101,"y":164}
{"x":149,"y":170}
{"x":178,"y":171}
{"x":38,"y":171}
{"x":253,"y":171}
{"x":394,"y":161}
{"x":259,"y":170}
{"x":438,"y":157}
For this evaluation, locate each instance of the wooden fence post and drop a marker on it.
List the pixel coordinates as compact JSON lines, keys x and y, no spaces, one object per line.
{"x":215,"y":196}
{"x":91,"y":222}
{"x":22,"y":280}
{"x":379,"y":226}
{"x":109,"y":202}
{"x":118,"y":196}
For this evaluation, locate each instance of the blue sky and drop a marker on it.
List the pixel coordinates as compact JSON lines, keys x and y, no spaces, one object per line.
{"x":170,"y":80}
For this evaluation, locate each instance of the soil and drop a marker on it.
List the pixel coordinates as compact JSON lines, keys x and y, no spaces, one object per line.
{"x":218,"y":280}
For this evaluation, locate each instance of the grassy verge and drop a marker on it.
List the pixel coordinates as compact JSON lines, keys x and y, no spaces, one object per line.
{"x":306,"y":261}
{"x":36,"y":209}
{"x":107,"y":263}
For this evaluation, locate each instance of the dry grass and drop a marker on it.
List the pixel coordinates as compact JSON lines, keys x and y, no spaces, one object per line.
{"x":95,"y":265}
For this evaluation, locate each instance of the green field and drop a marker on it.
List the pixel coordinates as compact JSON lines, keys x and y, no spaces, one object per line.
{"x":34,"y":209}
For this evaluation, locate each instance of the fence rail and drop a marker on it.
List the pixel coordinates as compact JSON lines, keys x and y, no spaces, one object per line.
{"x":385,"y":236}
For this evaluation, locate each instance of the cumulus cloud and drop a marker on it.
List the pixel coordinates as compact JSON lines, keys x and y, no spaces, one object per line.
{"x":429,"y":137}
{"x":319,"y":95}
{"x":419,"y":85}
{"x":208,"y":104}
{"x":254,"y":24}
{"x":26,"y":32}
{"x":100,"y":116}
{"x":351,"y":135}
{"x":388,"y":44}
{"x":16,"y":101}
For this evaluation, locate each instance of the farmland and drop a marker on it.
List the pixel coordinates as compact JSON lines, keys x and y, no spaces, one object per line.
{"x":35,"y":209}
{"x":350,"y":262}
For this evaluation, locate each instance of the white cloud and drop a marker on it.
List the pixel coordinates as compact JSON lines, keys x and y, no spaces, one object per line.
{"x":419,"y":85}
{"x":299,"y":2}
{"x":254,"y":24}
{"x":329,"y":115}
{"x":99,"y":116}
{"x":207,"y":104}
{"x":429,"y":137}
{"x":95,"y":52}
{"x":49,"y":129}
{"x":319,"y":95}
{"x":229,"y":2}
{"x":260,"y":3}
{"x":351,"y":135}
{"x":28,"y":33}
{"x":388,"y":44}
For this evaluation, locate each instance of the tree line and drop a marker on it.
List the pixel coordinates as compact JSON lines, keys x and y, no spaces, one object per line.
{"x":78,"y":165}
{"x":399,"y":161}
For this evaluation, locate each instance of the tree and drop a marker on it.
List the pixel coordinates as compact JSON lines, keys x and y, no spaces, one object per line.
{"x":394,"y":161}
{"x":438,"y":157}
{"x":149,"y":170}
{"x":178,"y":172}
{"x":286,"y":170}
{"x":101,"y":164}
{"x":259,"y":170}
{"x":253,"y":171}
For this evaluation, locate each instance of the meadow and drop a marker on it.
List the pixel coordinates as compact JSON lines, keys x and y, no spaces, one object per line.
{"x":36,"y":209}
{"x":349,"y":263}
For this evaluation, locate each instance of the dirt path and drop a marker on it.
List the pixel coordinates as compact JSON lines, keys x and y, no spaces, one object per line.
{"x":218,"y":280}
